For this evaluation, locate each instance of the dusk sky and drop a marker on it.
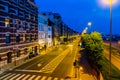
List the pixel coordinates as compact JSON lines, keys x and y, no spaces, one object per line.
{"x":77,"y":13}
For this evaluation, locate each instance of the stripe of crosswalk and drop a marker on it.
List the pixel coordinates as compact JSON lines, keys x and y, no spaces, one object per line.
{"x":55,"y":78}
{"x":26,"y":77}
{"x":37,"y":78}
{"x":61,"y":79}
{"x":14,"y":77}
{"x":5,"y":76}
{"x":20,"y":77}
{"x":50,"y":78}
{"x":31,"y":78}
{"x":43,"y":78}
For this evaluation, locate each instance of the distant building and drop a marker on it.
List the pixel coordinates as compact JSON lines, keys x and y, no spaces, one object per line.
{"x":56,"y":21}
{"x":45,"y":32}
{"x":18,"y":30}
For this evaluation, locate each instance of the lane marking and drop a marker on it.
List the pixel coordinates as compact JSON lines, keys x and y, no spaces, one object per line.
{"x":43,"y":78}
{"x":38,"y":78}
{"x":55,"y":78}
{"x":15,"y":77}
{"x":39,"y":65}
{"x":51,"y":66}
{"x":28,"y":70}
{"x":20,"y":77}
{"x":50,"y":78}
{"x":31,"y":78}
{"x":25,"y":77}
{"x":5,"y":76}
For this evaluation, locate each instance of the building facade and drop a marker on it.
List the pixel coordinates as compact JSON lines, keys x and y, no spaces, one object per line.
{"x":18,"y":30}
{"x":45,"y":32}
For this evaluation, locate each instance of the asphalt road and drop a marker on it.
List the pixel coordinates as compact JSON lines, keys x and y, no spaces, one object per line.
{"x":54,"y":65}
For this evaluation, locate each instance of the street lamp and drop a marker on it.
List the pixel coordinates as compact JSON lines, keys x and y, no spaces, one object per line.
{"x":110,"y":3}
{"x":89,"y":25}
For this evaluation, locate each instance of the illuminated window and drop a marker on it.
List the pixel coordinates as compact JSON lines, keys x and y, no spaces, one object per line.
{"x":7,"y":22}
{"x":24,"y":37}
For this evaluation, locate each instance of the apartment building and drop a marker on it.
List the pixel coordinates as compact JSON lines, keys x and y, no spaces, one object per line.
{"x":18,"y":30}
{"x":44,"y":32}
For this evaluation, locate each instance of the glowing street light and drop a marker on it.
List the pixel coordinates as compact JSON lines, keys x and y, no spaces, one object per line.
{"x":107,"y":3}
{"x":89,"y":25}
{"x":110,"y":3}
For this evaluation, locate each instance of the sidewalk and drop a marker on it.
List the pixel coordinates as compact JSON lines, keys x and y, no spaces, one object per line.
{"x":84,"y":71}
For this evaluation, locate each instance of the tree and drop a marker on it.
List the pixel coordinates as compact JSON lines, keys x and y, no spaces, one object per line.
{"x":93,"y":44}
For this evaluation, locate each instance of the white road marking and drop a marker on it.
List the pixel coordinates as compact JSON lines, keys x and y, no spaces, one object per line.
{"x":28,"y":70}
{"x":43,"y":78}
{"x":62,"y":79}
{"x":21,"y":77}
{"x":5,"y":76}
{"x":14,"y":77}
{"x":39,"y":65}
{"x":37,"y":78}
{"x":31,"y":78}
{"x":55,"y":78}
{"x":25,"y":77}
{"x":50,"y":78}
{"x":51,"y":66}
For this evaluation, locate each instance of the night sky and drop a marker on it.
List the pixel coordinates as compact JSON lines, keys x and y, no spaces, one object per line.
{"x":77,"y":13}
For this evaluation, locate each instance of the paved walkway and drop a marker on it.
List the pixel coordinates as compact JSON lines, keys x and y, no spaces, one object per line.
{"x":86,"y":72}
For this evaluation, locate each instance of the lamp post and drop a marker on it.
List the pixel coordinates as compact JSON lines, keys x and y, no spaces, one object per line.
{"x":89,"y":25}
{"x":110,"y":36}
{"x":110,"y":3}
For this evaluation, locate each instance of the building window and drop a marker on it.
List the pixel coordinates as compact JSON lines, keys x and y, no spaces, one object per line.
{"x":30,"y":16}
{"x":0,"y":58}
{"x":16,"y":24}
{"x":29,"y":26}
{"x":7,"y":22}
{"x":17,"y":38}
{"x":9,"y":57}
{"x":23,"y":25}
{"x":18,"y":53}
{"x":34,"y":18}
{"x":48,"y":36}
{"x":30,"y":37}
{"x":24,"y":37}
{"x":7,"y":38}
{"x":36,"y":36}
{"x":49,"y":29}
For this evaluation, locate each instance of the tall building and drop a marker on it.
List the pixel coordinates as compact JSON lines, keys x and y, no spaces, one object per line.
{"x":18,"y":31}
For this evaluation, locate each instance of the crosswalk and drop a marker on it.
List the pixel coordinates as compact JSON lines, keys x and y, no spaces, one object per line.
{"x":18,"y":76}
{"x":51,"y":66}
